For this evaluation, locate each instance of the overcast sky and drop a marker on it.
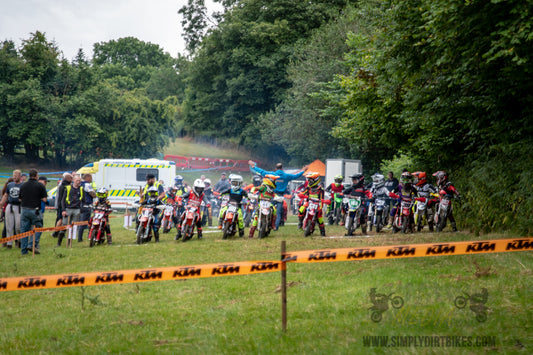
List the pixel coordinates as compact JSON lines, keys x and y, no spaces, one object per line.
{"x":75,"y":24}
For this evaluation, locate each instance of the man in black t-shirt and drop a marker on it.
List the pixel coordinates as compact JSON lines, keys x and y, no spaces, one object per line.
{"x":32,"y":193}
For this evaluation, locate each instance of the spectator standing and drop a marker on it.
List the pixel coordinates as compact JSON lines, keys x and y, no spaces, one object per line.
{"x":391,"y":183}
{"x":3,"y":211}
{"x":71,"y":203}
{"x":11,"y":199}
{"x":89,"y":193}
{"x":281,"y":184}
{"x":24,"y":177}
{"x":222,"y":184}
{"x":32,"y":195}
{"x":66,"y":181}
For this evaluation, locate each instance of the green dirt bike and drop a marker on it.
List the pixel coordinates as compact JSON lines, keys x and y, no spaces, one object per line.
{"x":335,"y":210}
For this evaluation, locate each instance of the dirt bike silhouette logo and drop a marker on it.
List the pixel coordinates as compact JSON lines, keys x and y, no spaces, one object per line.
{"x":380,"y":303}
{"x":477,"y":303}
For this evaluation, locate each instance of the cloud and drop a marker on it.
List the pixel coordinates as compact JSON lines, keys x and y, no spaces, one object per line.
{"x":75,"y":24}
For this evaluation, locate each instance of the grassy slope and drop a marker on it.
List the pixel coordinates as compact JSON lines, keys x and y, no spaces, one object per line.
{"x":327,"y":303}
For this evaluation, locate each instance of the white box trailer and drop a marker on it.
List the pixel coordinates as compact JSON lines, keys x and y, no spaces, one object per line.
{"x":124,"y":177}
{"x":344,"y":167}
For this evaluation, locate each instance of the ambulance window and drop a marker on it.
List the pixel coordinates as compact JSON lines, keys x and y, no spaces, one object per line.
{"x":142,"y":172}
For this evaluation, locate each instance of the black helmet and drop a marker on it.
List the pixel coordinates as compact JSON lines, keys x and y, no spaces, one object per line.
{"x":358,"y":180}
{"x":257,"y":179}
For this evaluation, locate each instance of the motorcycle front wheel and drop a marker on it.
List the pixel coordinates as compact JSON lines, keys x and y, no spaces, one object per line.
{"x":140,"y":233}
{"x":225,"y":230}
{"x":92,"y":238}
{"x":350,"y":227}
{"x":405,"y":223}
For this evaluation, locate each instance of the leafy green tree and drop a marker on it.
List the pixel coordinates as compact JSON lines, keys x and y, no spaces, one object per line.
{"x":130,"y":52}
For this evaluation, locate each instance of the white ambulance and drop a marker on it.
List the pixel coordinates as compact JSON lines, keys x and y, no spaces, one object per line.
{"x":123,"y":178}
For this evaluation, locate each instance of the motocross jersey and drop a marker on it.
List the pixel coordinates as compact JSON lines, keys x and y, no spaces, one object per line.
{"x":360,"y":191}
{"x":315,"y":193}
{"x":335,"y":188}
{"x":380,"y":192}
{"x":426,"y":190}
{"x":236,"y":196}
{"x":194,"y":199}
{"x":265,"y":194}
{"x":401,"y":193}
{"x":449,"y":189}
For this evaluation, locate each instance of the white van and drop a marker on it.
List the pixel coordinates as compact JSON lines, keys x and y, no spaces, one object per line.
{"x":123,"y":178}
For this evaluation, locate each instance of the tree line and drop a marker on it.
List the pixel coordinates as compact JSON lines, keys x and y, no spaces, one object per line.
{"x":422,"y":85}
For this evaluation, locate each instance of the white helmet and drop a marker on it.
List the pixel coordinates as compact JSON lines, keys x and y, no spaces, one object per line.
{"x":378,"y":180}
{"x":152,"y":192}
{"x":236,"y":182}
{"x":199,"y":187}
{"x":207,"y":183}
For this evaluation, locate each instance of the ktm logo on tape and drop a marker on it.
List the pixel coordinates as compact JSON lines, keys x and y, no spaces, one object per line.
{"x":225,"y":270}
{"x":187,"y":272}
{"x":520,"y":244}
{"x":361,"y":253}
{"x":264,"y":266}
{"x":148,"y":275}
{"x":70,"y":280}
{"x":109,"y":277}
{"x":32,"y":282}
{"x":439,"y":249}
{"x":322,"y":255}
{"x":480,"y":247}
{"x":401,"y":251}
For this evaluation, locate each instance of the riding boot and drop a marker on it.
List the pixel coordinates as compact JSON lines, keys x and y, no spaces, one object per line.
{"x":199,"y":233}
{"x":178,"y":235}
{"x":220,"y":223}
{"x":454,"y":226}
{"x":156,"y":235}
{"x":60,"y":237}
{"x":251,"y":233}
{"x":241,"y":232}
{"x":109,"y":239}
{"x":273,"y":223}
{"x":300,"y":222}
{"x":322,"y":230}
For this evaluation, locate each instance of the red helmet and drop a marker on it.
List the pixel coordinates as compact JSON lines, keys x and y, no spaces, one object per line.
{"x":420,"y":178}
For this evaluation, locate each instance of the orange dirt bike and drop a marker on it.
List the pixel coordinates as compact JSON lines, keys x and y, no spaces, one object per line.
{"x":230,"y":218}
{"x":311,"y":214}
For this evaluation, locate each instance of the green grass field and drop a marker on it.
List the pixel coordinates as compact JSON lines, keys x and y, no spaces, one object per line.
{"x":328,"y":303}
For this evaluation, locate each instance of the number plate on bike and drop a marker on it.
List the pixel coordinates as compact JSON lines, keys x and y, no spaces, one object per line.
{"x":355,"y":203}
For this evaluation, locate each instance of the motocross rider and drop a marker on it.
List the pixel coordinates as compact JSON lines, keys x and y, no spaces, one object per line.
{"x":314,"y":190}
{"x":404,"y":189}
{"x":153,"y":198}
{"x":236,"y":194}
{"x":335,"y":187}
{"x":379,"y":190}
{"x":196,"y":196}
{"x":446,"y":188}
{"x":266,"y":192}
{"x":358,"y":189}
{"x":102,"y":203}
{"x":425,"y":190}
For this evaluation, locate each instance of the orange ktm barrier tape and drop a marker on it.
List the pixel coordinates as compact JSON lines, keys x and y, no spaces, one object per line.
{"x":138,"y":275}
{"x":410,"y":251}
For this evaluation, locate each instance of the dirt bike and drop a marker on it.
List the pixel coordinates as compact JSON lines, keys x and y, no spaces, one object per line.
{"x":264,"y":218}
{"x":98,"y":225}
{"x":422,"y":213}
{"x":381,"y":304}
{"x":230,"y":218}
{"x":353,"y":215}
{"x":311,"y":215}
{"x":168,"y":215}
{"x":146,"y":223}
{"x":250,"y":209}
{"x":336,"y":210}
{"x":443,"y":209}
{"x":377,"y":213}
{"x":189,"y":220}
{"x":403,"y":219}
